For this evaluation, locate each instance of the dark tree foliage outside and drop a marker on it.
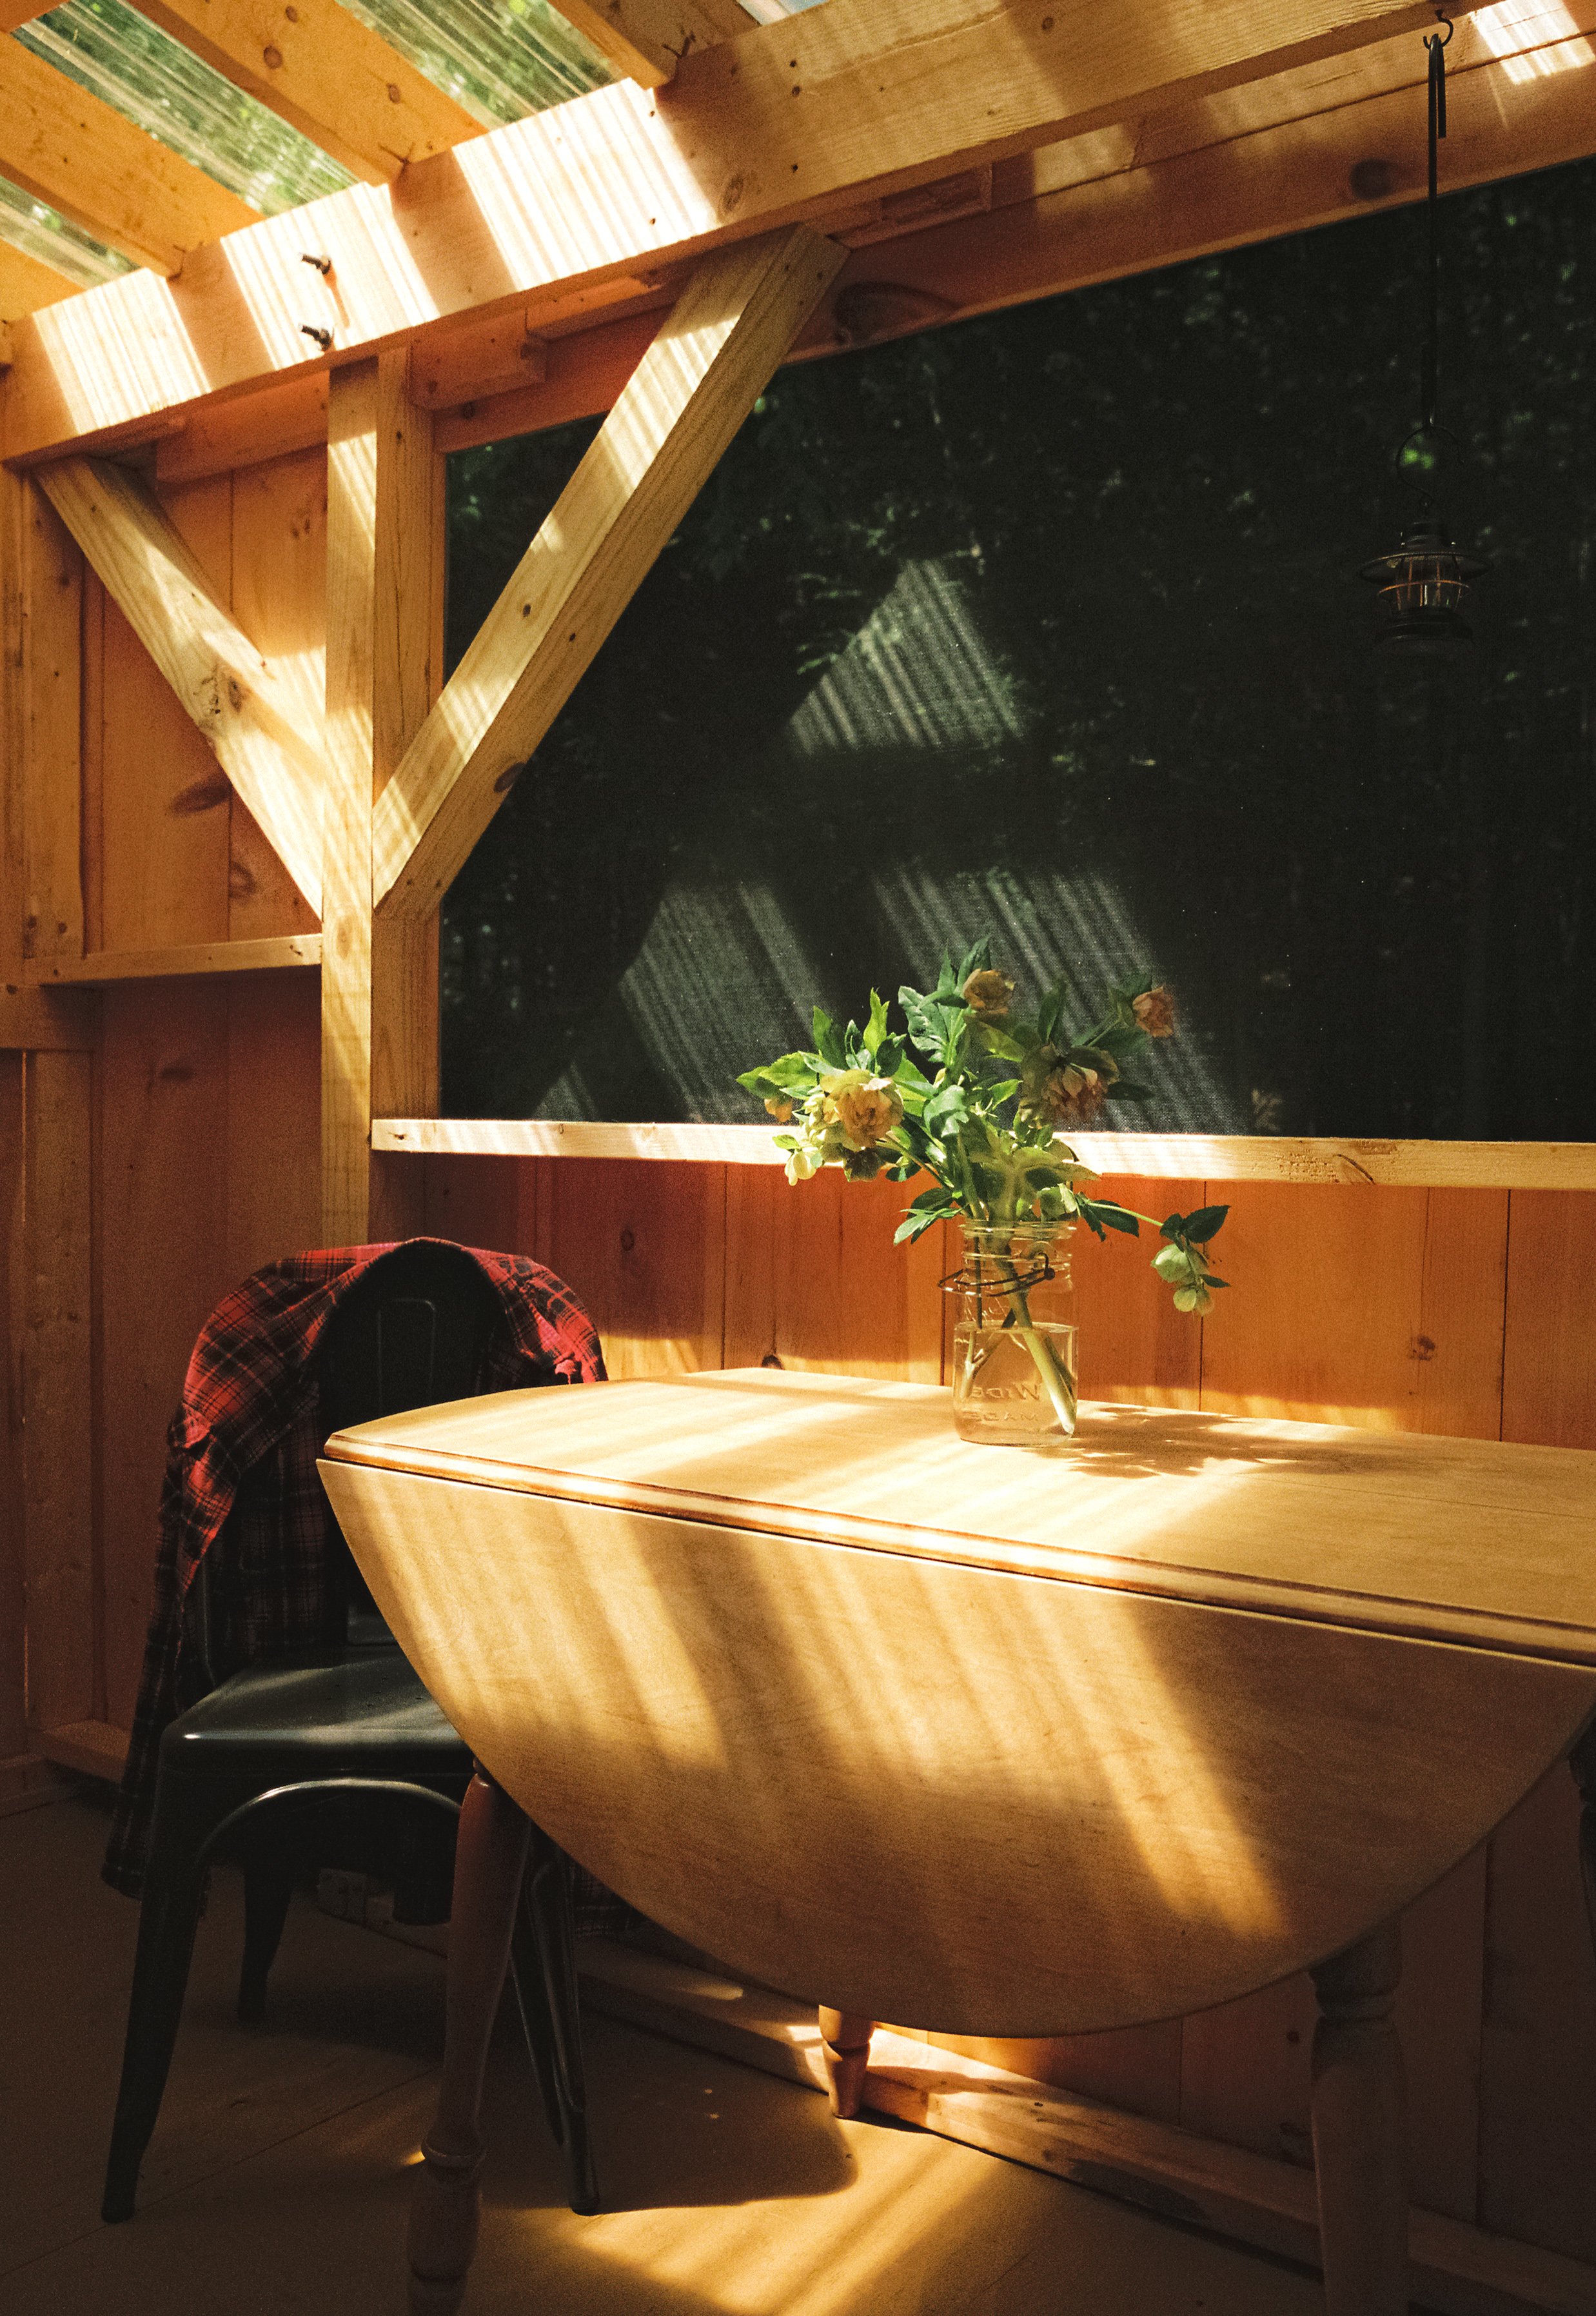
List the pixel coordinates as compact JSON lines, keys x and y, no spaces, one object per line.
{"x":1049,"y":624}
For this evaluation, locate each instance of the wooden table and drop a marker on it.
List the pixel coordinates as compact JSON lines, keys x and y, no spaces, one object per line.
{"x":998,"y":1743}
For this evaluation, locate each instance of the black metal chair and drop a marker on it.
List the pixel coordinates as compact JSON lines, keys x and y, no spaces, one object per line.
{"x":340,"y":1756}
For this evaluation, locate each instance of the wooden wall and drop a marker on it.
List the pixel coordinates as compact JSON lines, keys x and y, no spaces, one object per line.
{"x":184,"y":1152}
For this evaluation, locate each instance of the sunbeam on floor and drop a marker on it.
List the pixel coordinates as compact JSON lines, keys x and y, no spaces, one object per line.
{"x":278,"y":2176}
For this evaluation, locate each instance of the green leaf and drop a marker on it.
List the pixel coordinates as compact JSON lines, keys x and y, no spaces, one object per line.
{"x":1124,"y":1090}
{"x":827,"y":1040}
{"x":928,"y":1023}
{"x":876,"y":1027}
{"x":1204,"y":1224}
{"x":1117,"y":1217}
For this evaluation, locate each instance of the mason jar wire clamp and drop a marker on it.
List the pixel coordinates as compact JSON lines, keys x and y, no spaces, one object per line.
{"x":978,"y":1282}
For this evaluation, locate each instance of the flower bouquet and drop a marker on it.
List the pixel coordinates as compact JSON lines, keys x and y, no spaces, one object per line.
{"x":977,"y":1094}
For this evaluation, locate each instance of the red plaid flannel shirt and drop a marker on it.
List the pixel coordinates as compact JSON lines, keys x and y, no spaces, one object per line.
{"x":241,"y":1455}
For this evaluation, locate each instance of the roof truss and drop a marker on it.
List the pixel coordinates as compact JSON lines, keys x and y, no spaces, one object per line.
{"x":327,"y":74}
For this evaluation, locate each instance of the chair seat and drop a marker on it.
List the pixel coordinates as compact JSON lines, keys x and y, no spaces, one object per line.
{"x":345,"y":1712}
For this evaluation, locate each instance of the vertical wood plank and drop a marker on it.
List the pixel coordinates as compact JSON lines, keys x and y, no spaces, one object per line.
{"x":1134,"y":2067}
{"x":380,"y":982}
{"x":279,"y":590}
{"x":1355,"y":1305}
{"x":1550,"y":1377}
{"x":1537,"y":2108}
{"x":1245,"y":2066}
{"x":643,"y":1245}
{"x":477,"y":1202}
{"x":165,"y":800}
{"x":162,"y":1166}
{"x":57,"y":1393}
{"x":813,"y":1280}
{"x":14,"y":718}
{"x":1134,"y":1344}
{"x":274,"y":1112}
{"x":52,"y":581}
{"x":13,"y":1715}
{"x":1537,"y":2122}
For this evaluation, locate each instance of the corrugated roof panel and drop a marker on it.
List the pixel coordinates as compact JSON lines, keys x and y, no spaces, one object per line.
{"x":121,"y":58}
{"x":40,"y":232}
{"x":498,"y":62}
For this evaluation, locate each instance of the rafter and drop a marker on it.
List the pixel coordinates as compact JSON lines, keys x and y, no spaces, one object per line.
{"x":87,"y":160}
{"x":890,"y":94}
{"x":245,"y":710}
{"x":646,"y":40}
{"x":689,"y":396}
{"x":26,"y":284}
{"x":325,"y":72}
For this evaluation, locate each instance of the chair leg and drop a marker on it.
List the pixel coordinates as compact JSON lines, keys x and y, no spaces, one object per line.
{"x":489,"y":1863}
{"x":537,"y":2020}
{"x":268,"y":1887}
{"x":1582,"y":1762}
{"x":174,"y":1885}
{"x":549,"y":1903}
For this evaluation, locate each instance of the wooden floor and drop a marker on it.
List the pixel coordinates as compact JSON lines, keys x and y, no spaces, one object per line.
{"x":277,"y":2178}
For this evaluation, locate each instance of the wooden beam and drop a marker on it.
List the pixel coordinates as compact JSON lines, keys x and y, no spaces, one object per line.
{"x":49,"y":707}
{"x":645,"y":40}
{"x":244,"y":707}
{"x":689,"y":396}
{"x":25,"y":285}
{"x":1232,"y":170}
{"x":794,"y":119}
{"x":379,"y":982}
{"x":281,"y":952}
{"x":89,"y":160}
{"x":1179,"y":1157}
{"x":327,"y":74}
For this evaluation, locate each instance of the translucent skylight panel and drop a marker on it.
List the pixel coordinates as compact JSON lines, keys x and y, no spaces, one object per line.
{"x":499,"y":60}
{"x":39,"y":231}
{"x":121,"y":58}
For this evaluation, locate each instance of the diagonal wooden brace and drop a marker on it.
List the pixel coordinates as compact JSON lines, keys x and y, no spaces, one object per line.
{"x":261,"y":736}
{"x":674,"y":418}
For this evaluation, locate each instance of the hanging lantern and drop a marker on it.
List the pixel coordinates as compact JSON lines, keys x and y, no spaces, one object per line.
{"x":1424,"y":585}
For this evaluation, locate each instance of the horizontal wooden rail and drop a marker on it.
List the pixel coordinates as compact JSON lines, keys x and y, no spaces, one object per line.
{"x":287,"y":950}
{"x":1188,"y":1157}
{"x":96,"y":1748}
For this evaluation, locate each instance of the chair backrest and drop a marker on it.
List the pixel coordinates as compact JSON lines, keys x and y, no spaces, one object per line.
{"x":412,"y":1331}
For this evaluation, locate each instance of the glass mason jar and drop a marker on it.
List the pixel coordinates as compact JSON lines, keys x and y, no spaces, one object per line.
{"x":1014,"y":1335}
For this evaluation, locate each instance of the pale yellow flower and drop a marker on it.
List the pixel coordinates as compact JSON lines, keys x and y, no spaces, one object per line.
{"x":865,"y":1107}
{"x":1155,"y":1011}
{"x":988,"y":995}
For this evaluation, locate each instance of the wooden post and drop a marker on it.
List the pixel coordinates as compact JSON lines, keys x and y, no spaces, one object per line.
{"x":1360,"y":2129}
{"x":379,"y":984}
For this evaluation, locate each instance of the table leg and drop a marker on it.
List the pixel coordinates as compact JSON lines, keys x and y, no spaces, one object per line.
{"x":845,"y":2046}
{"x":1359,"y":2129}
{"x":489,"y":1864}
